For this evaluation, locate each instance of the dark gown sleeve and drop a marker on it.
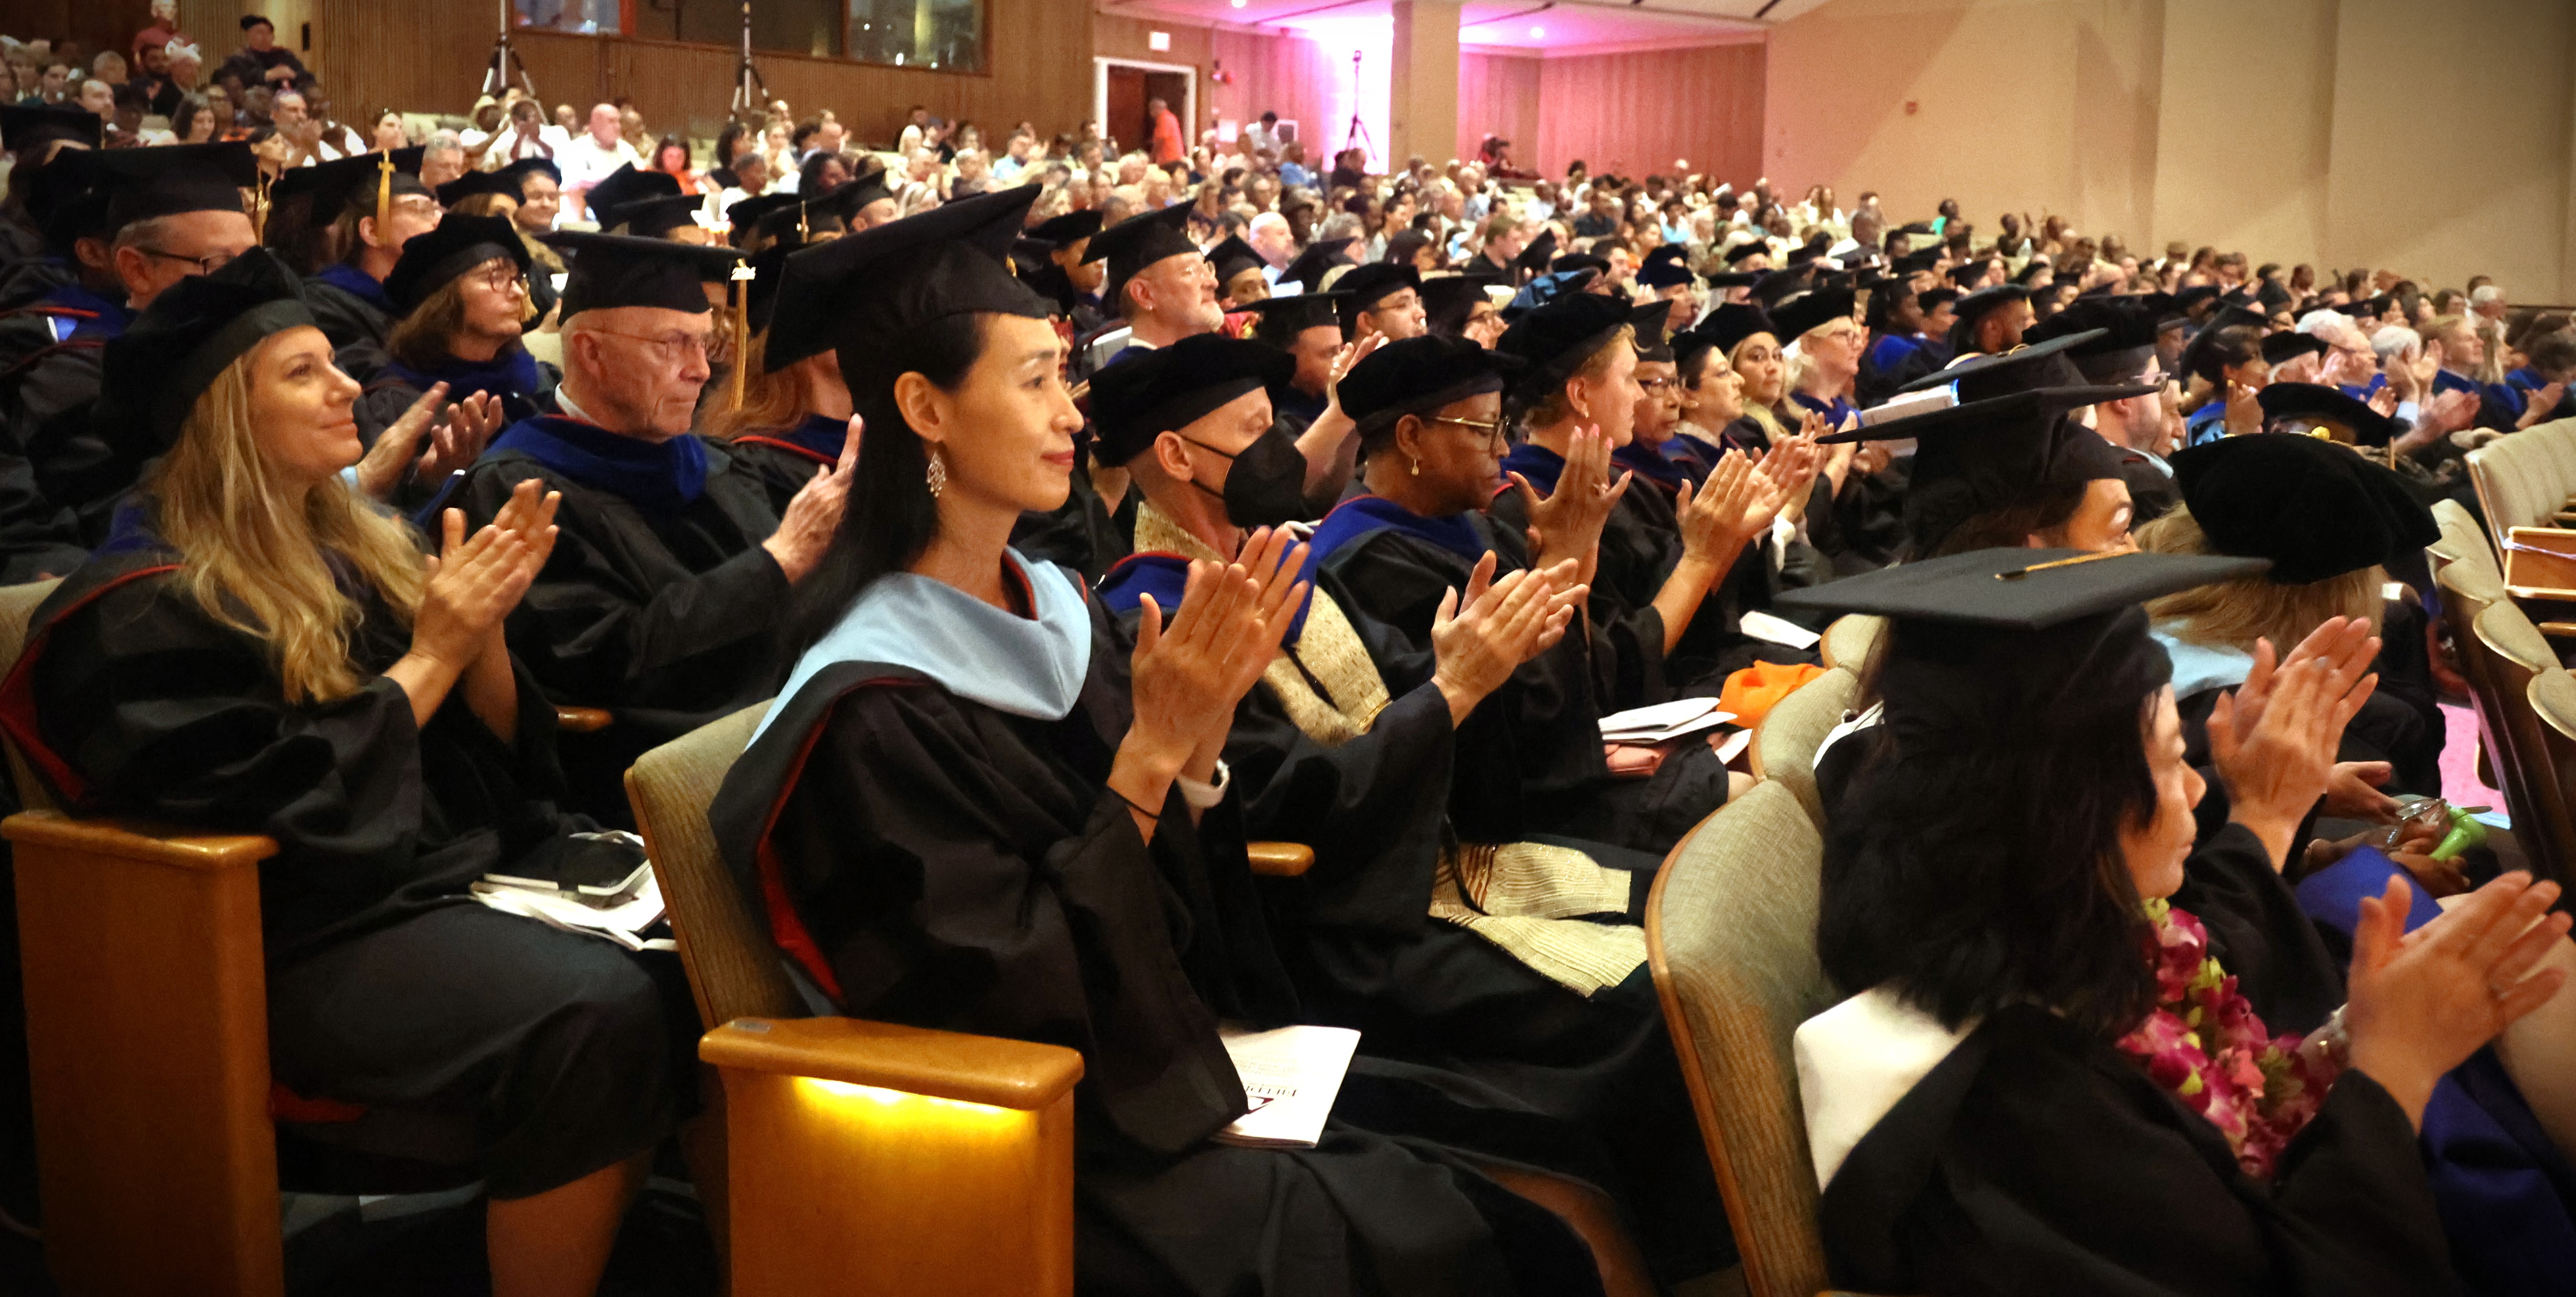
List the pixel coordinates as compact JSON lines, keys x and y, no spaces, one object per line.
{"x":596,"y":635}
{"x":2258,"y":933}
{"x":2032,"y":1161}
{"x":1627,"y":641}
{"x":38,"y":538}
{"x":950,"y":885}
{"x":160,"y":713}
{"x":78,"y":465}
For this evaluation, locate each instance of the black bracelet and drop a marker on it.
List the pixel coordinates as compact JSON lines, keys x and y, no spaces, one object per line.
{"x":1132,"y":802}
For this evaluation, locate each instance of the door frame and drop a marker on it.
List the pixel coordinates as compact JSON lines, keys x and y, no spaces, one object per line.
{"x":1100,"y":65}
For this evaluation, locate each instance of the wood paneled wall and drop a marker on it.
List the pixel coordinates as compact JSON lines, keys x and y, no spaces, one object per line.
{"x":1498,"y":95}
{"x":432,"y":61}
{"x":1636,"y":113}
{"x":1285,"y":75}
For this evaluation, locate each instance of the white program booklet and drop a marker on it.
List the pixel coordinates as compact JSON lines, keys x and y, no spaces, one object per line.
{"x":624,"y":923}
{"x":1290,"y":1075}
{"x":1778,"y":630}
{"x":1644,"y":725}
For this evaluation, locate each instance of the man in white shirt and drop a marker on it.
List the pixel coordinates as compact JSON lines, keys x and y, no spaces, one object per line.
{"x":600,"y":150}
{"x":1262,"y":136}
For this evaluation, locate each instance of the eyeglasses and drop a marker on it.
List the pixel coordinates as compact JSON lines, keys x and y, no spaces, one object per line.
{"x":1654,"y":386}
{"x":205,"y":265}
{"x":1489,"y":431}
{"x":671,"y":348}
{"x":500,"y":278}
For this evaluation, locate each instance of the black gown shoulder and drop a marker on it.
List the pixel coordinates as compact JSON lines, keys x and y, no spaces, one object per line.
{"x":782,"y":468}
{"x":2034,"y":1160}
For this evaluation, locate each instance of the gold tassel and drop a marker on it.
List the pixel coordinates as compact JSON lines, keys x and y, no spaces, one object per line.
{"x":384,"y":195}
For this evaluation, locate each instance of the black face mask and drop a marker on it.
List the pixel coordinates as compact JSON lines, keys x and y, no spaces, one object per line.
{"x":1267,"y":485}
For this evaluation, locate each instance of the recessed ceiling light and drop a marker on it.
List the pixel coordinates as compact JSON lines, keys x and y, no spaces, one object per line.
{"x":1538,"y":33}
{"x":1236,"y":3}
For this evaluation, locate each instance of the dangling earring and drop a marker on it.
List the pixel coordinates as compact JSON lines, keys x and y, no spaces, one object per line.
{"x":938,"y":473}
{"x":1417,"y":466}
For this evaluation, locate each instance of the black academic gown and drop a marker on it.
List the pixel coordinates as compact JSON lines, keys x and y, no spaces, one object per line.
{"x":668,"y":617}
{"x":786,"y":459}
{"x":933,"y":861}
{"x":1398,"y":577}
{"x":78,"y":462}
{"x":523,"y":384}
{"x":351,"y":308}
{"x":475,"y":1041}
{"x":1357,"y":937}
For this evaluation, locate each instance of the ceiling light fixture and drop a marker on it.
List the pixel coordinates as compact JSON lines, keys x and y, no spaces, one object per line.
{"x":1538,"y":33}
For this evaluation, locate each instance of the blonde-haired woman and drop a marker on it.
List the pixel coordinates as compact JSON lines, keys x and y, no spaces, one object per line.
{"x":2331,"y":522}
{"x":259,"y":649}
{"x":794,"y":417}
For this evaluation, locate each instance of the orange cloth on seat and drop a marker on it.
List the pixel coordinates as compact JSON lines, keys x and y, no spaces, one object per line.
{"x":1752,"y":692}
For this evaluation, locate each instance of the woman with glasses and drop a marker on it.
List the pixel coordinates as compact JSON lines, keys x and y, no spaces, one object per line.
{"x":1655,"y":560}
{"x":463,"y":296}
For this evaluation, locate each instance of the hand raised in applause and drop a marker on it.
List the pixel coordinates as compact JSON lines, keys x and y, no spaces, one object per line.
{"x":2279,"y":771}
{"x":1567,"y":524}
{"x":1502,"y":625}
{"x":1188,"y":675}
{"x":2423,"y":1001}
{"x":473,"y":584}
{"x":814,"y":512}
{"x":455,"y":439}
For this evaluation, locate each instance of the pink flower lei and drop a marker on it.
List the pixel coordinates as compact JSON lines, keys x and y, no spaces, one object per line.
{"x":2205,"y":1044}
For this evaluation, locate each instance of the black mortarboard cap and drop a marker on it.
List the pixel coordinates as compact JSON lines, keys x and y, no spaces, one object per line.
{"x":2127,"y":338}
{"x":1310,"y":266}
{"x":1281,"y":319}
{"x":2201,"y":355}
{"x":1067,"y":229}
{"x":2018,"y":589}
{"x":2281,"y":348}
{"x":1990,"y":454}
{"x":2192,"y":296}
{"x":1231,"y":258}
{"x":1363,"y":287}
{"x":1447,"y":301}
{"x":842,"y":202}
{"x":472,"y":183}
{"x":348,"y":182}
{"x":168,"y":180}
{"x":628,"y":185}
{"x":1966,"y":271}
{"x":1777,"y":284}
{"x":615,"y":270}
{"x":1555,"y":339}
{"x":154,"y":372}
{"x":2023,"y":369}
{"x":2033,"y":271}
{"x":1732,"y":278}
{"x":1167,"y":388}
{"x":1579,"y":261}
{"x":517,"y":173}
{"x":1931,"y":299}
{"x":1650,"y":319}
{"x":1666,"y":266}
{"x":654,"y":218}
{"x":1978,"y":305}
{"x":1911,"y":262}
{"x":760,"y":293}
{"x":23,"y":126}
{"x":2314,"y":508}
{"x":1137,"y":242}
{"x":858,"y":291}
{"x":2317,"y":401}
{"x":1748,"y":248}
{"x":1418,"y":376}
{"x":1733,"y":322}
{"x":1808,"y":311}
{"x":1914,"y":229}
{"x":1538,"y":254}
{"x":432,"y":260}
{"x":746,"y":215}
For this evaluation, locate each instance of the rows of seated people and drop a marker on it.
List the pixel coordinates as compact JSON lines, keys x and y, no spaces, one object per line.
{"x":1037,"y":667}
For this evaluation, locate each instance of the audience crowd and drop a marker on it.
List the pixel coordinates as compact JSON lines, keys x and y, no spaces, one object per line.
{"x":1082,"y":510}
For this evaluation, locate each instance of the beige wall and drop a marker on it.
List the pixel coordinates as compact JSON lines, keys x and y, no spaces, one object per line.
{"x":2440,"y":139}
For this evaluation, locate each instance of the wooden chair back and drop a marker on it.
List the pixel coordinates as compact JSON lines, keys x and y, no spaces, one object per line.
{"x":2463,"y":541}
{"x":1784,"y":745}
{"x":2515,"y":653}
{"x":147,"y":1038}
{"x":733,"y":967}
{"x":1730,"y":935}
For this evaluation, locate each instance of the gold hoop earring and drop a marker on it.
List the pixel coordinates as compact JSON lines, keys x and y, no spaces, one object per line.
{"x":938,"y":474}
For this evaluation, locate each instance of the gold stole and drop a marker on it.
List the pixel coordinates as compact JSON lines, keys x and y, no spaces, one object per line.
{"x":1525,"y":897}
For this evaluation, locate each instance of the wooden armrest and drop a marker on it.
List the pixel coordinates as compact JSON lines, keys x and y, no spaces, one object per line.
{"x":988,"y":1070}
{"x":1280,"y":859}
{"x":132,"y":840}
{"x":581,"y":720}
{"x":2547,"y":593}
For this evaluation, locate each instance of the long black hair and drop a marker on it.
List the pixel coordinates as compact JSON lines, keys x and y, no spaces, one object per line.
{"x":1975,"y":861}
{"x":890,"y":517}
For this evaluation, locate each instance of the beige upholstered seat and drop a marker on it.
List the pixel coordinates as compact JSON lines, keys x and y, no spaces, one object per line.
{"x":2514,"y":652}
{"x":1847,"y":641}
{"x":2463,"y":541}
{"x":1784,"y":748}
{"x":1730,"y":933}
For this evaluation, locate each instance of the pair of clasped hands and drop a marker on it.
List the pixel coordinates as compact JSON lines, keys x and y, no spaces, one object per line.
{"x":1192,"y":665}
{"x":1738,"y":502}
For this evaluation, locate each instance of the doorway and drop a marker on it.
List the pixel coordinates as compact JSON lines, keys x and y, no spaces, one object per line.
{"x":1120,"y":89}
